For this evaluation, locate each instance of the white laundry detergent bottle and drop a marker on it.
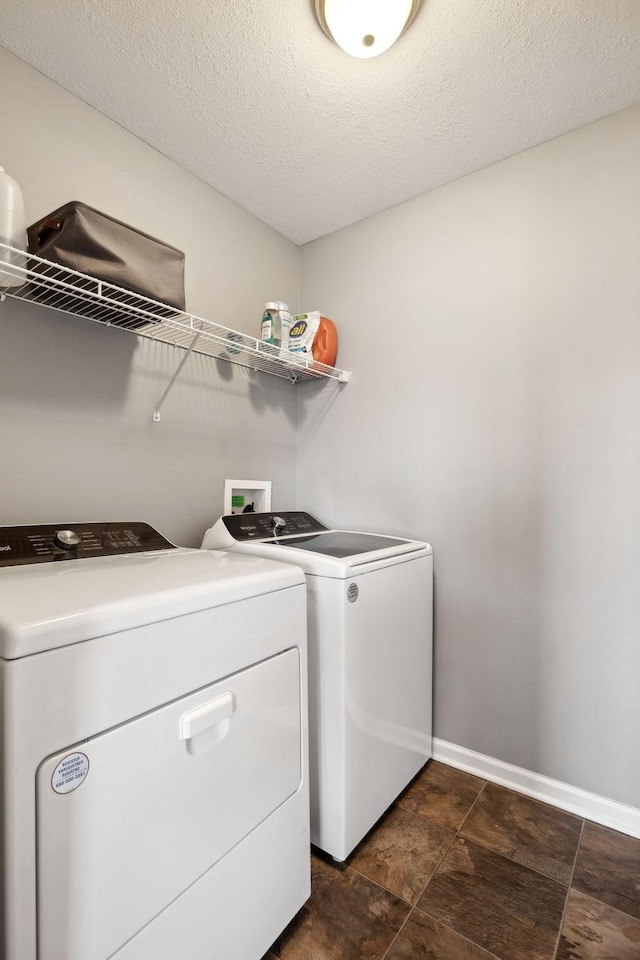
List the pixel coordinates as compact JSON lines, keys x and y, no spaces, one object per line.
{"x":13,"y":231}
{"x":285,"y":324}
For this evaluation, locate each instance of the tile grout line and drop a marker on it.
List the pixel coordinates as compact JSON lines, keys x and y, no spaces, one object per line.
{"x":402,"y":926}
{"x":607,"y":906}
{"x":490,"y":956}
{"x":454,"y":838}
{"x":468,"y":813}
{"x":449,"y":845}
{"x":423,"y":816}
{"x":381,"y":885}
{"x":411,"y":906}
{"x":393,"y":892}
{"x":478,"y":946}
{"x":433,"y":872}
{"x":435,"y":919}
{"x":517,"y":863}
{"x":437,"y":866}
{"x":436,"y":823}
{"x":458,"y":835}
{"x":566,"y":902}
{"x":479,"y":843}
{"x":414,"y":906}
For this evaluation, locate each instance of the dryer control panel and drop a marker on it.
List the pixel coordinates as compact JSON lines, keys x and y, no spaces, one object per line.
{"x":49,"y":542}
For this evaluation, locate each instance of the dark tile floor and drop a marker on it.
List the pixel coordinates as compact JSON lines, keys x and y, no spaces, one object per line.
{"x":462,"y":869}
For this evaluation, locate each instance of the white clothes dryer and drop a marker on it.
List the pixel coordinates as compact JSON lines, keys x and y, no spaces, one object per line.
{"x":370,"y":600}
{"x":153,"y":777}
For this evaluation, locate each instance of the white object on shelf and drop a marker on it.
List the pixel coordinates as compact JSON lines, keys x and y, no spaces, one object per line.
{"x":13,"y":224}
{"x":256,"y":492}
{"x":285,"y":324}
{"x":50,"y":285}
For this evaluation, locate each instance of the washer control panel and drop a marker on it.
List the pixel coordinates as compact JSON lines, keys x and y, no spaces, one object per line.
{"x":262,"y":526}
{"x":49,"y":542}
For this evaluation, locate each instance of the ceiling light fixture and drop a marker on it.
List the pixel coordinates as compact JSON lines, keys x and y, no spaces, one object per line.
{"x":365,"y":28}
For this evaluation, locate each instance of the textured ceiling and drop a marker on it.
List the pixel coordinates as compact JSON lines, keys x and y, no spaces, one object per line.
{"x":251,"y":96}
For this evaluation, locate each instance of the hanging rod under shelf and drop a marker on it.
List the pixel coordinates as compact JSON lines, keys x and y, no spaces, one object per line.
{"x":48,"y":284}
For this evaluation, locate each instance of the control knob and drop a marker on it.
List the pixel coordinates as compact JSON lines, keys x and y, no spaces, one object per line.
{"x":66,"y":539}
{"x":278,"y":525}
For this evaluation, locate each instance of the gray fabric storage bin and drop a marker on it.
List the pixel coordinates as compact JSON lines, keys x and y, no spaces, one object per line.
{"x":81,"y":238}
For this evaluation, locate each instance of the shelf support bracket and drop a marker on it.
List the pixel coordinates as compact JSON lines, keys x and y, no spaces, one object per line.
{"x":156,"y":412}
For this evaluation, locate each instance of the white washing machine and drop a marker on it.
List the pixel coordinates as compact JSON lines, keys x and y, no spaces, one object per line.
{"x":370,"y":600}
{"x":153,"y":777}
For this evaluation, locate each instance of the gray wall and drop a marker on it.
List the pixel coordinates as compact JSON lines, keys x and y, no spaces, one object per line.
{"x":76,"y":436}
{"x":493,"y":328}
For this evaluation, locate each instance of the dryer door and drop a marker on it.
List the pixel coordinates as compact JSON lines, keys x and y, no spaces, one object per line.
{"x":129,"y":819}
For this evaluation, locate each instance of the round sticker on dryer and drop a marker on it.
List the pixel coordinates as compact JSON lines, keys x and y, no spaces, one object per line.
{"x":70,"y":772}
{"x":352,"y":592}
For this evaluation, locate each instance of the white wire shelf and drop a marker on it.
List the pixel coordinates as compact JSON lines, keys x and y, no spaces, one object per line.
{"x":50,"y":285}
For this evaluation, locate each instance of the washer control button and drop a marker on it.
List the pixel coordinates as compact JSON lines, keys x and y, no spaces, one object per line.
{"x":66,"y":539}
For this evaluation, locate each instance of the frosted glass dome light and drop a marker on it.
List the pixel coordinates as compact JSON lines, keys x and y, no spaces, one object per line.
{"x":365,"y":28}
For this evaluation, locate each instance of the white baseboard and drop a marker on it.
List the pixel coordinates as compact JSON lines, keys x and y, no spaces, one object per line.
{"x":590,"y":806}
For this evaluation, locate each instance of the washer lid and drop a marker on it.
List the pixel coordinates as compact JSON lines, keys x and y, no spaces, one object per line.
{"x":50,"y":605}
{"x":338,"y":560}
{"x":347,"y":544}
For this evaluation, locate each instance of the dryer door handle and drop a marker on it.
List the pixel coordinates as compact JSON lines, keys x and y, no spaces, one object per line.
{"x":208,"y":715}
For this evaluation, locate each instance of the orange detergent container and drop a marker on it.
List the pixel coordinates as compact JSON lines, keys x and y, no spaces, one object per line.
{"x":325,"y":342}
